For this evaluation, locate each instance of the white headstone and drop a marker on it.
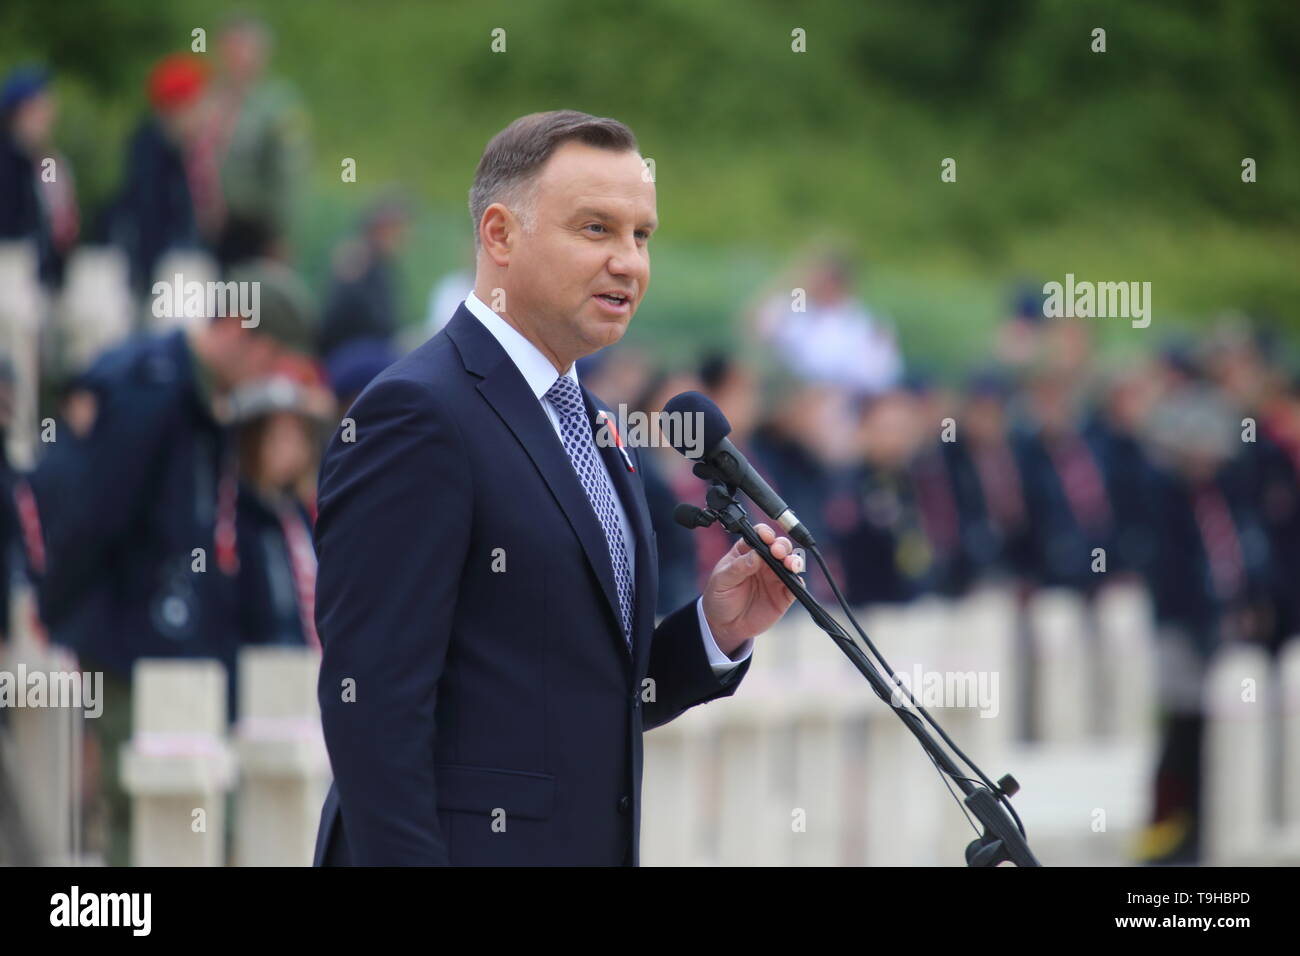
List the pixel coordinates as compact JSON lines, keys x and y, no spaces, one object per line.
{"x":178,"y":767}
{"x":1239,"y":695}
{"x":284,"y":767}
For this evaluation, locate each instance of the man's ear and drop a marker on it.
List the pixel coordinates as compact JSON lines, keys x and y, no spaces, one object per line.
{"x":497,"y":232}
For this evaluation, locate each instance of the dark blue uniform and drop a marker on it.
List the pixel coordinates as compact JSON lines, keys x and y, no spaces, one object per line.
{"x":879,"y":536}
{"x":1269,"y":479}
{"x":155,"y":212}
{"x":361,"y":307}
{"x":21,"y":213}
{"x":993,"y":542}
{"x":1065,"y":527}
{"x":1203,"y":607}
{"x":124,"y":508}
{"x":1185,"y":591}
{"x":270,"y":608}
{"x":1133,"y":487}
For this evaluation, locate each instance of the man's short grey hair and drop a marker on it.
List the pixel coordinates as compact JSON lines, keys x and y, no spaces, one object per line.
{"x":508,"y":169}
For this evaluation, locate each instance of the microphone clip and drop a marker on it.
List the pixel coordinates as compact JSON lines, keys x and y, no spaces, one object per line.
{"x":721,"y":499}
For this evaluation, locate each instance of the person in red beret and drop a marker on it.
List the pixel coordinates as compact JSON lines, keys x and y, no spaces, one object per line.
{"x":176,"y":81}
{"x":155,"y":211}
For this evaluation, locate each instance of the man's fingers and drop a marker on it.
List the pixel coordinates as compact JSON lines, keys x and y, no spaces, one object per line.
{"x":764,"y":531}
{"x":782,"y":549}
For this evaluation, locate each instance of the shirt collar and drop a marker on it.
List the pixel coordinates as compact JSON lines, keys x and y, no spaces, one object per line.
{"x":535,"y":367}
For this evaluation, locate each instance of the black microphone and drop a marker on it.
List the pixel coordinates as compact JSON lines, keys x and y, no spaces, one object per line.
{"x":727,"y":461}
{"x":689,"y":516}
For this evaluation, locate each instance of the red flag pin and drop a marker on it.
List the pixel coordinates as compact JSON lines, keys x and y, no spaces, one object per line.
{"x":604,"y":418}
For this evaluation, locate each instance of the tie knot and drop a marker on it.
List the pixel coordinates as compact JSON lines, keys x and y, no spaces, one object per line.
{"x":565,"y":395}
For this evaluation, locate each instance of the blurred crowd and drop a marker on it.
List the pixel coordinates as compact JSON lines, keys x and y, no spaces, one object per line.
{"x":160,"y":502}
{"x":1176,"y":466}
{"x":169,"y":510}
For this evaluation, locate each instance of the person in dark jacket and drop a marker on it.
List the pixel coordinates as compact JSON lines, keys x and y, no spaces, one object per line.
{"x":1070,"y":511}
{"x":1238,"y":365}
{"x":790,"y":446}
{"x":137,"y":504}
{"x":363,"y":297}
{"x":279,"y":422}
{"x":155,"y":212}
{"x":1210,"y":587}
{"x":1131,"y":481}
{"x":987,"y":486}
{"x":37,"y":195}
{"x":877,"y":526}
{"x":137,"y":498}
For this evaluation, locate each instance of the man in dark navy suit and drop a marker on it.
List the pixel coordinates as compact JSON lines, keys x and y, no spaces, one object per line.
{"x":487,"y":578}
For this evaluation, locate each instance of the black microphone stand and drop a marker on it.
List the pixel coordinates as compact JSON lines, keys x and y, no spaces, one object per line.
{"x":1002,"y":839}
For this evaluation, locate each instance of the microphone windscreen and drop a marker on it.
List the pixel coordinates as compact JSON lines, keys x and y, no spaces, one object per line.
{"x":715,"y":424}
{"x":688,"y":516}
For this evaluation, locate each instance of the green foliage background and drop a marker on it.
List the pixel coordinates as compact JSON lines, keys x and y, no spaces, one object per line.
{"x":1122,"y":165}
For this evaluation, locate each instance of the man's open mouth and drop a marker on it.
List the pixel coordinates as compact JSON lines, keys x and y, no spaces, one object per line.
{"x":613,"y":298}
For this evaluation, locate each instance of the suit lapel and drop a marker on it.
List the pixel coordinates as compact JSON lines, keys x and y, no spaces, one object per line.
{"x":508,"y":393}
{"x":638,"y":516}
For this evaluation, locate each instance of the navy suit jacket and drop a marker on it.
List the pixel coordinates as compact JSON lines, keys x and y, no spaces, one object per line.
{"x":479,"y":701}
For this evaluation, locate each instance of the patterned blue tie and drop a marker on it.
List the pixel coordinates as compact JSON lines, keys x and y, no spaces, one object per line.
{"x":566,"y":398}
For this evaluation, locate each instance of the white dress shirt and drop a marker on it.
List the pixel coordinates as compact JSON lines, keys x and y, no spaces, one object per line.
{"x":540,"y":375}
